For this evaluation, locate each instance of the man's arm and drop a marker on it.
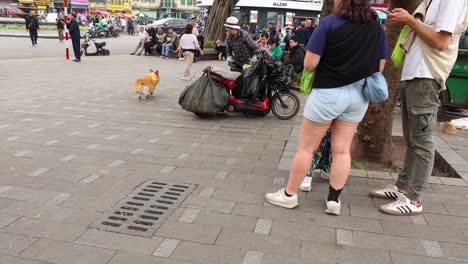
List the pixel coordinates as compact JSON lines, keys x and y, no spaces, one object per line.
{"x":250,"y":43}
{"x":228,"y":47}
{"x":436,"y":40}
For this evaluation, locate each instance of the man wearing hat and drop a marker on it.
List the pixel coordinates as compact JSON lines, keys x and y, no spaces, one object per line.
{"x":239,"y":46}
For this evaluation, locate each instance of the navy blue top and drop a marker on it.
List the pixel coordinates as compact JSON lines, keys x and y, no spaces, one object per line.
{"x":330,"y":24}
{"x":348,"y":51}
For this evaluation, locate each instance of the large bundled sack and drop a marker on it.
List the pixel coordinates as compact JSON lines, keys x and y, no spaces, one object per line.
{"x":204,"y":96}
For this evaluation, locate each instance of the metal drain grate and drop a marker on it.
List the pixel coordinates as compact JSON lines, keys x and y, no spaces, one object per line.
{"x":143,"y":211}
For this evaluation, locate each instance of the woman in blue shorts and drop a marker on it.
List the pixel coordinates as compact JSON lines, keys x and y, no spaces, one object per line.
{"x":346,"y":48}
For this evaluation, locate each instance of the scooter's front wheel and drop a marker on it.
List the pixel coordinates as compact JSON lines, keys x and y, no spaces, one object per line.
{"x":285,"y":105}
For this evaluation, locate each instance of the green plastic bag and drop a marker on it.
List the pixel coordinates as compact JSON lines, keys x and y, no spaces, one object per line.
{"x":307,"y":80}
{"x":398,"y":55}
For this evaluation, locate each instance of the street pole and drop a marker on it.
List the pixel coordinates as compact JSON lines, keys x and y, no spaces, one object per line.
{"x":67,"y":50}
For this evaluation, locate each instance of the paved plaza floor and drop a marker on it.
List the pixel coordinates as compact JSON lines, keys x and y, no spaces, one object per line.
{"x":74,"y":141}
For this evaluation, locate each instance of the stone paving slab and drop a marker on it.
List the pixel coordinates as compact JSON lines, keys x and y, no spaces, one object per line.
{"x":73,"y":149}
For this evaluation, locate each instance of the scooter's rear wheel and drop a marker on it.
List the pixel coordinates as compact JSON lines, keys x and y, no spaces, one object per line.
{"x":285,"y":105}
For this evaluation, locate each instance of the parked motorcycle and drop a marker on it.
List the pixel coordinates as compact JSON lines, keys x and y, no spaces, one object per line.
{"x":100,"y":50}
{"x":112,"y":31}
{"x":283,"y":103}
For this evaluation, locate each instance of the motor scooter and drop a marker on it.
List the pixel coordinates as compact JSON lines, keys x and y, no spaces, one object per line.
{"x":280,"y":100}
{"x":100,"y":50}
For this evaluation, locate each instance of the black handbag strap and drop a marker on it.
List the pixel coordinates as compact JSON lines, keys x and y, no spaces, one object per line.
{"x":428,"y":5}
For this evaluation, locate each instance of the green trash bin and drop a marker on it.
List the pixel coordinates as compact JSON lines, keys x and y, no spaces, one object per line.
{"x":456,"y":95}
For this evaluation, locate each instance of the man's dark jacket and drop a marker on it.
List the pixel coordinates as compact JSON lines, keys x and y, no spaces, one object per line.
{"x":74,"y":29}
{"x":296,"y":58}
{"x":302,"y":36}
{"x":32,"y":23}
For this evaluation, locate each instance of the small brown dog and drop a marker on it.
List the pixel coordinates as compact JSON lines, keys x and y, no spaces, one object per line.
{"x":146,"y":85}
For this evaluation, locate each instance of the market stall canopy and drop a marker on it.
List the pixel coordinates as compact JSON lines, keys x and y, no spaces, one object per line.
{"x":141,"y":14}
{"x":105,"y":13}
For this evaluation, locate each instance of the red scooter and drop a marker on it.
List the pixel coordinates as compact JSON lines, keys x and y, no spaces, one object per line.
{"x":283,"y":103}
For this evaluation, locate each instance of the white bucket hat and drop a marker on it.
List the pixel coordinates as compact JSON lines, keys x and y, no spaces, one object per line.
{"x":232,"y":22}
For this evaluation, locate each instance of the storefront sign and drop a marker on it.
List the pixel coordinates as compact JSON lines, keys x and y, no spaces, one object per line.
{"x":98,"y":5}
{"x":280,"y":4}
{"x":293,"y":5}
{"x":253,"y":16}
{"x":42,"y":4}
{"x":289,"y":18}
{"x":119,"y":5}
{"x":80,"y":2}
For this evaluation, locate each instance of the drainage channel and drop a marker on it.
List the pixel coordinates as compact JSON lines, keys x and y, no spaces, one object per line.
{"x":143,"y":211}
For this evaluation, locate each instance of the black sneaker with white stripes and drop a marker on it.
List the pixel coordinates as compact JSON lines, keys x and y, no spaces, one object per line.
{"x":389,"y":192}
{"x":402,"y":206}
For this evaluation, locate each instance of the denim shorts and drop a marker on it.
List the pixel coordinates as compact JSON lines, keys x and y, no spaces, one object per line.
{"x":345,"y":103}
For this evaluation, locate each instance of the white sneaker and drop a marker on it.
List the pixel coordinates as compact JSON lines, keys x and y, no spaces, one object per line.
{"x":325,"y":175}
{"x":402,"y":206}
{"x":306,"y":184}
{"x":333,"y":208}
{"x":186,"y":78}
{"x":389,"y":192}
{"x":181,"y":59}
{"x":279,"y":198}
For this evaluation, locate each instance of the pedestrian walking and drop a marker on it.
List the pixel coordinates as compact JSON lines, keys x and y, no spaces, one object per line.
{"x":74,"y":30}
{"x":60,"y":27}
{"x":337,"y":97}
{"x":123,"y":26}
{"x":432,"y":49}
{"x":188,"y":46}
{"x":195,"y":27}
{"x":32,"y":25}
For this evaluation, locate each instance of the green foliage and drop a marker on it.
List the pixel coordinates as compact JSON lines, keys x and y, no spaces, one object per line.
{"x":209,"y":44}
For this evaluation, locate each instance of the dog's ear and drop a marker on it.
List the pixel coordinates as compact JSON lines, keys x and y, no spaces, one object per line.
{"x":157,"y":73}
{"x":151,"y":70}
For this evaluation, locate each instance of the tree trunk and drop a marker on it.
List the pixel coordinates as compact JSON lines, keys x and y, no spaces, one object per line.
{"x":374,"y":135}
{"x":327,"y":8}
{"x":219,"y":12}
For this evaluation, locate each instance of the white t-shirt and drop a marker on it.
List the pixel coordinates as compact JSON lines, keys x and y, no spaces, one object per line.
{"x":142,"y":35}
{"x":123,"y":22}
{"x":445,"y":15}
{"x":189,"y":41}
{"x":195,"y":31}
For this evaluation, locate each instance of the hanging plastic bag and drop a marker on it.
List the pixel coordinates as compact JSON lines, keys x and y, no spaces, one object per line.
{"x":398,"y":55}
{"x":307,"y":80}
